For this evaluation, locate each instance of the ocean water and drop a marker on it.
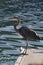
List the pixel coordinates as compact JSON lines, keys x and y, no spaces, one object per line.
{"x":31,"y":14}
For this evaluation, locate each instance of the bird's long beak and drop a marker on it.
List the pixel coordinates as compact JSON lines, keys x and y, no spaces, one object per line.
{"x":11,"y":19}
{"x":14,"y":19}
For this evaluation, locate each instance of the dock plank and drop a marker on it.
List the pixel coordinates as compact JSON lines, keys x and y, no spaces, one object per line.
{"x":33,"y":57}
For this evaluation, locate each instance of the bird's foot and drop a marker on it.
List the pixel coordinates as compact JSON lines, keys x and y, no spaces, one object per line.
{"x":23,"y":51}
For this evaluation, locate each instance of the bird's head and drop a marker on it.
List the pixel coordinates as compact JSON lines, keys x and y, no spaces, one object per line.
{"x":16,"y":19}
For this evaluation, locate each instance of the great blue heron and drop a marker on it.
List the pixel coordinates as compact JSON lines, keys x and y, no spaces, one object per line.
{"x":26,"y":32}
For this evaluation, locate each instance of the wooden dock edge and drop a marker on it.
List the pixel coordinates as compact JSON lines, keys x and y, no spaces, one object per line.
{"x":33,"y":57}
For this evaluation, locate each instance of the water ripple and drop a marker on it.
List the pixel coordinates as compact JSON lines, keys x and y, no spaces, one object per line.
{"x":31,"y":14}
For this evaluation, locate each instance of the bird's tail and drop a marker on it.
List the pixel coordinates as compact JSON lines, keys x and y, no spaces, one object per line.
{"x":37,"y":37}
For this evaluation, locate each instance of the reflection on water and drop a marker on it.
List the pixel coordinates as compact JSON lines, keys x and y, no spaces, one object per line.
{"x":31,"y":14}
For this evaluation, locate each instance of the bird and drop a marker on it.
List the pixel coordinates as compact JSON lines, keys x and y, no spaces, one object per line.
{"x":24,"y":31}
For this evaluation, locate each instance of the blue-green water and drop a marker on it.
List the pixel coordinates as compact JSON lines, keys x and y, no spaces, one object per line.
{"x":31,"y":14}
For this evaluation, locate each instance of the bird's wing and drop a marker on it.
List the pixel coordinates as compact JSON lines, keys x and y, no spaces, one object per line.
{"x":28,"y":33}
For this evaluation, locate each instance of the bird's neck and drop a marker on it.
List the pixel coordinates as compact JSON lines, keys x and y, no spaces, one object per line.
{"x":15,"y":28}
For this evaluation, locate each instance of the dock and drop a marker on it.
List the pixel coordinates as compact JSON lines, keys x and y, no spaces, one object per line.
{"x":33,"y":57}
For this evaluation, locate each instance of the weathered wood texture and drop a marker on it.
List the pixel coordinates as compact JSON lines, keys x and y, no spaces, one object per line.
{"x":33,"y":57}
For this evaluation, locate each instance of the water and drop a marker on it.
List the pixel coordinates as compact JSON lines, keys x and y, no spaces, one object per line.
{"x":31,"y":14}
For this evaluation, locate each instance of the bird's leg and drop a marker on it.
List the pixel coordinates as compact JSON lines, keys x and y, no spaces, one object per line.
{"x":26,"y":46}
